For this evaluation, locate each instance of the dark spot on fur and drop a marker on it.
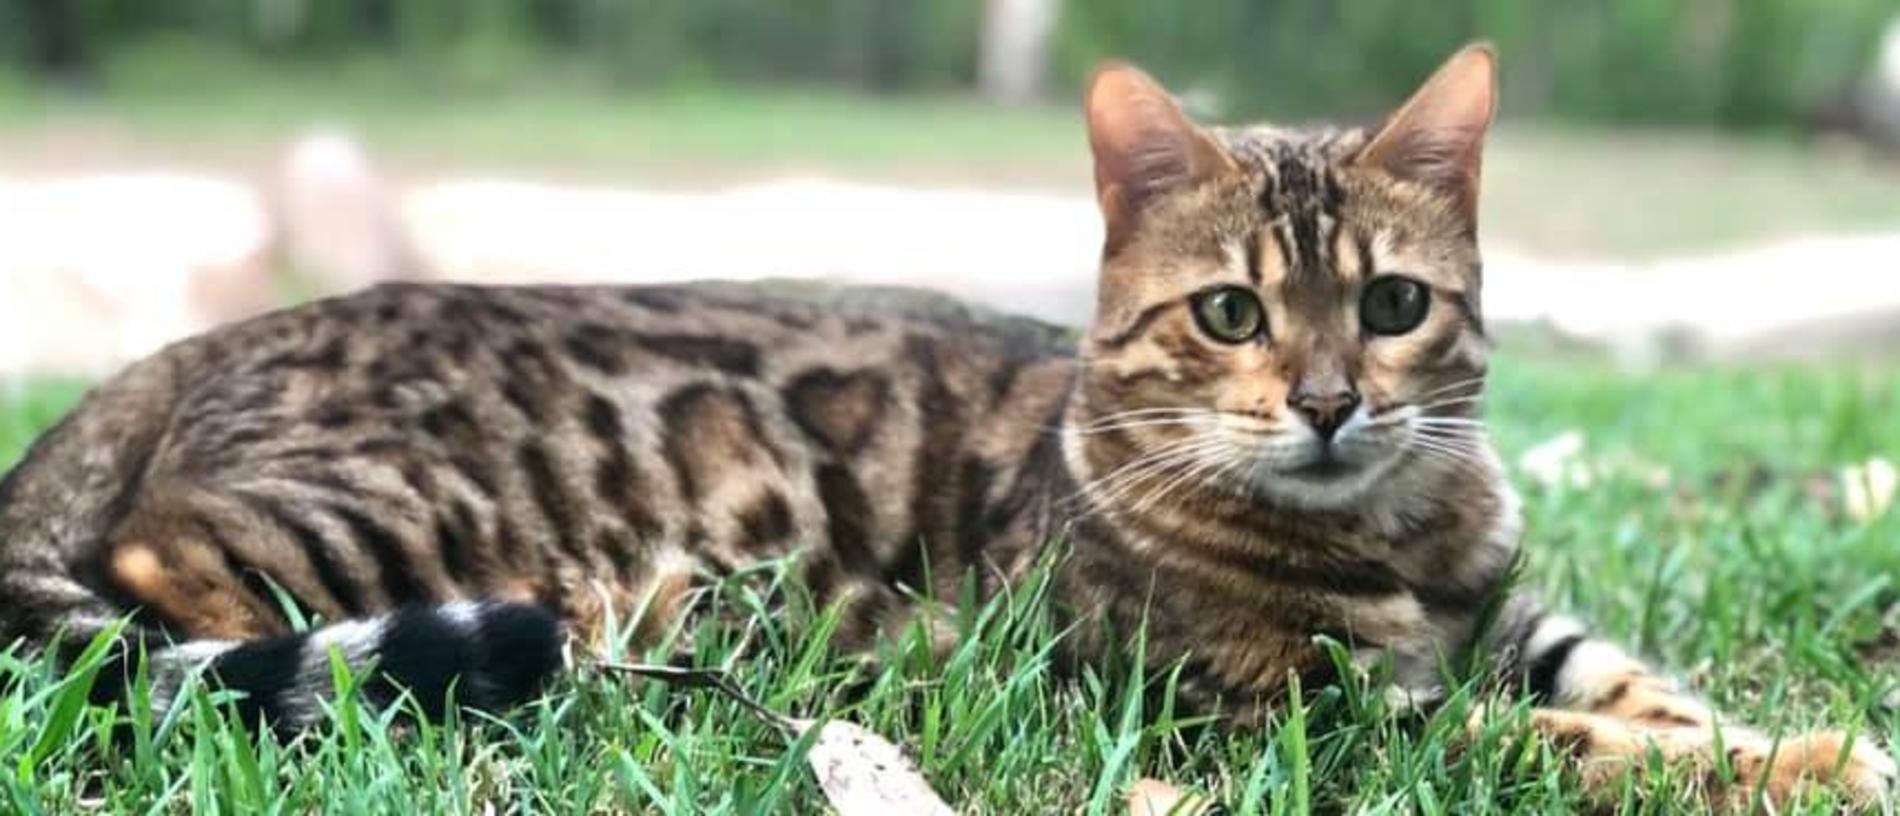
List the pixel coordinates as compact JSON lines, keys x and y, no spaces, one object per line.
{"x":517,"y":394}
{"x":618,"y":549}
{"x":618,"y":484}
{"x":401,"y":582}
{"x":550,"y":495}
{"x":839,"y":411}
{"x":333,"y":416}
{"x":676,"y":413}
{"x":766,"y":523}
{"x":658,"y":300}
{"x":972,"y":530}
{"x":532,"y":378}
{"x":603,"y":419}
{"x":331,"y":356}
{"x":730,"y":356}
{"x":331,"y":573}
{"x":848,"y":518}
{"x":597,"y":347}
{"x":449,"y":419}
{"x":711,"y":434}
{"x":455,"y":537}
{"x":934,"y":503}
{"x":473,"y":470}
{"x":419,"y":479}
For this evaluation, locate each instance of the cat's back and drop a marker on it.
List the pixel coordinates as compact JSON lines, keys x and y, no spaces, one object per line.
{"x":430,"y":356}
{"x":427,"y":442}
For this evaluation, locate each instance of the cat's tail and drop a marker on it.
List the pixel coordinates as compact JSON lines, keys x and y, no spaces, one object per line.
{"x":1618,"y":714}
{"x":61,"y":504}
{"x":1557,"y":660}
{"x":488,"y":656}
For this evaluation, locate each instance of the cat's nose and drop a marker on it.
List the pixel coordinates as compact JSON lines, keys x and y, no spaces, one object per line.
{"x":1324,"y":409}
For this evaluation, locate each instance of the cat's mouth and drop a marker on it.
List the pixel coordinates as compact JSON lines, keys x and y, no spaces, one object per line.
{"x":1321,"y":469}
{"x":1325,"y":468}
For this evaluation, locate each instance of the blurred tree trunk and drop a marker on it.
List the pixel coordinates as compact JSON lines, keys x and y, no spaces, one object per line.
{"x":1013,"y":61}
{"x":1879,"y":98}
{"x":1014,"y":53}
{"x":892,"y":42}
{"x":56,"y":39}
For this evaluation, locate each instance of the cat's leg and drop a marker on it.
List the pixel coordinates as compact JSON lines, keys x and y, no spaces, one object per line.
{"x":1612,"y":710}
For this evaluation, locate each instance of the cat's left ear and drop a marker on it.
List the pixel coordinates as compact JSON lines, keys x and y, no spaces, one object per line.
{"x":1144,"y":146}
{"x":1437,"y":137}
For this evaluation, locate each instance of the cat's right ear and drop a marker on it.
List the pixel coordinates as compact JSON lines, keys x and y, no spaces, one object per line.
{"x":1143,"y":144}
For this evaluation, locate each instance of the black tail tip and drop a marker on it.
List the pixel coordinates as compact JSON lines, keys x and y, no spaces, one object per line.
{"x":488,"y":656}
{"x":523,"y":645}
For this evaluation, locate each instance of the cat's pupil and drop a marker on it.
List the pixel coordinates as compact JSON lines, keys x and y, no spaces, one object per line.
{"x":1393,"y":305}
{"x":1229,"y":314}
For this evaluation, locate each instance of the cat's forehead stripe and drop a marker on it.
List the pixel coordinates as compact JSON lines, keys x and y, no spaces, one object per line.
{"x":1299,"y":197}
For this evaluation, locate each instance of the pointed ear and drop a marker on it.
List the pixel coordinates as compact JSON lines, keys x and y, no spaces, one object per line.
{"x":1143,"y":144}
{"x":1437,"y":136}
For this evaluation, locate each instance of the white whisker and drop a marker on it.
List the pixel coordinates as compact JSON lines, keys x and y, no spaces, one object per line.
{"x":1468,"y":437}
{"x":1194,"y":473}
{"x":1092,"y":429}
{"x":1448,"y":402}
{"x":1449,"y":423}
{"x":1472,"y":437}
{"x":1144,"y":412}
{"x":1133,"y":486}
{"x":1466,"y":455}
{"x":1477,"y":381}
{"x":1138,"y":470}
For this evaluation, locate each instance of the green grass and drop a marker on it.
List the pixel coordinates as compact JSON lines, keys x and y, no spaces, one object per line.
{"x":1738,"y":573}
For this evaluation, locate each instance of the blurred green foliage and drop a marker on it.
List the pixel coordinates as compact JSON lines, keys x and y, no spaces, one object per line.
{"x":1729,"y":62}
{"x":1740,"y":63}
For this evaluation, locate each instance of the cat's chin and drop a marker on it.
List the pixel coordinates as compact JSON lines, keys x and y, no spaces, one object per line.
{"x":1324,"y":484}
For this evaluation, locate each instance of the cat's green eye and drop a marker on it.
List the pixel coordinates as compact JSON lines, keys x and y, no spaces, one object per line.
{"x":1230,"y":314}
{"x":1393,"y":305}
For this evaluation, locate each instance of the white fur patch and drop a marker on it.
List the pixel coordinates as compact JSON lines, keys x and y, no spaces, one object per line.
{"x":1550,"y":631}
{"x":171,"y":668}
{"x":1591,"y":667}
{"x":355,"y":641}
{"x":466,"y":615}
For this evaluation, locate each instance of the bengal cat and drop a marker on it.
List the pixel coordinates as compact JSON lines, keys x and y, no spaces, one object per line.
{"x":1270,"y":432}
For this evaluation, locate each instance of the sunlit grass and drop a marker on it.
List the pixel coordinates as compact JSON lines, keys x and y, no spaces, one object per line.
{"x":1735,"y":570}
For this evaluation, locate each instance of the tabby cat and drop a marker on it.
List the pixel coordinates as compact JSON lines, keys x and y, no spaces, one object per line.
{"x":1269,"y":433}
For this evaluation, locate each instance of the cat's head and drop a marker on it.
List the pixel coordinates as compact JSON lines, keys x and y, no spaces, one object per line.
{"x":1293,"y":312}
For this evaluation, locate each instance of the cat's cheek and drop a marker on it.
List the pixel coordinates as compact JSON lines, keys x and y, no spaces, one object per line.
{"x":1396,"y":365}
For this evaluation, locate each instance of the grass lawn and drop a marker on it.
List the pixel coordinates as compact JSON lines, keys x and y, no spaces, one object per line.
{"x":1737,"y":572}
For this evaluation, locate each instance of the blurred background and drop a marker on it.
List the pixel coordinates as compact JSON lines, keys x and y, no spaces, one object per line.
{"x":1671,"y":180}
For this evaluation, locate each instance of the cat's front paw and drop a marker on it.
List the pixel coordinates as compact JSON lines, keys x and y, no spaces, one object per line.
{"x":1862,"y":772}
